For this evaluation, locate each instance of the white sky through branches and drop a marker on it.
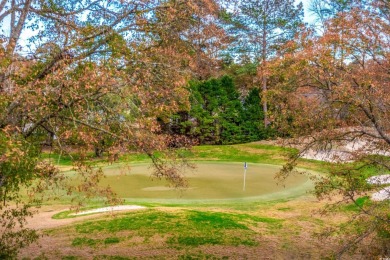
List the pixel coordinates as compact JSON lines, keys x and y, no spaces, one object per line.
{"x":28,"y":32}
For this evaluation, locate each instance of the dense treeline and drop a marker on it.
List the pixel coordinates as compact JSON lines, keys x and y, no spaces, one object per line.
{"x":218,"y":114}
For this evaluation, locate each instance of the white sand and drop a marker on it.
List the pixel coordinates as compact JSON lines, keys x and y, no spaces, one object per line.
{"x":381,"y":195}
{"x":344,"y":153}
{"x":328,"y":156}
{"x":109,"y":209}
{"x":380,"y":179}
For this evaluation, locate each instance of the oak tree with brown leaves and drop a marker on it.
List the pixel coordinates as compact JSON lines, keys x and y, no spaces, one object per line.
{"x":89,"y":75}
{"x":333,"y":98}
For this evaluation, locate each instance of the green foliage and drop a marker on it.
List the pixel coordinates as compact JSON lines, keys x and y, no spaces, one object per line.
{"x":260,"y":28}
{"x":218,"y":116}
{"x":253,"y":117}
{"x":17,"y":165}
{"x":19,"y":170}
{"x":358,"y":205}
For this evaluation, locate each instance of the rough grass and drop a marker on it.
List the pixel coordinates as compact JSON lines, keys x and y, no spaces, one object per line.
{"x":184,"y":228}
{"x":178,"y":230}
{"x":279,"y":229}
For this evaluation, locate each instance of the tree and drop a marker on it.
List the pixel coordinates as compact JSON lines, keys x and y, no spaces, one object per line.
{"x":206,"y":99}
{"x":231,"y":112}
{"x":253,"y":118}
{"x":336,"y":90}
{"x":328,"y":9}
{"x":215,"y":113}
{"x":91,"y":71}
{"x":263,"y":27}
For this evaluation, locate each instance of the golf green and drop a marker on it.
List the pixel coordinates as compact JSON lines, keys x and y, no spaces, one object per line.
{"x":209,"y":181}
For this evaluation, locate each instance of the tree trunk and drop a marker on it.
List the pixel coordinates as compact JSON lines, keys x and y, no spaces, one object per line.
{"x":265,"y":106}
{"x":264,"y":76}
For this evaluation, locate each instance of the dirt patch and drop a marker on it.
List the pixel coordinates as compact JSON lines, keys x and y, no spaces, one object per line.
{"x":43,"y":219}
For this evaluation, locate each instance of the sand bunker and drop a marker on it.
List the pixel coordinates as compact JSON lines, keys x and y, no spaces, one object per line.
{"x":344,"y":152}
{"x":381,"y":195}
{"x":109,"y":209}
{"x":380,"y":179}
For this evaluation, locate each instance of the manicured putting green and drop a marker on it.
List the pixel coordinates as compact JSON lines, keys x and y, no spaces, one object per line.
{"x":209,"y":181}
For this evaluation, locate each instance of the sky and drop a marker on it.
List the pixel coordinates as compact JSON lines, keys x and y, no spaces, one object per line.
{"x":27,"y":33}
{"x":306,"y":4}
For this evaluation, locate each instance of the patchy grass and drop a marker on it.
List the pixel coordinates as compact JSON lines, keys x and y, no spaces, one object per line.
{"x":111,"y":240}
{"x":110,"y":257}
{"x":70,"y":257}
{"x":90,"y":242}
{"x":84,"y":241}
{"x":284,"y":209}
{"x":200,"y":256}
{"x":181,"y":228}
{"x":188,"y":232}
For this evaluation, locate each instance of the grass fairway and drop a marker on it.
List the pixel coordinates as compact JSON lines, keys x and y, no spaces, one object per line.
{"x":210,"y":181}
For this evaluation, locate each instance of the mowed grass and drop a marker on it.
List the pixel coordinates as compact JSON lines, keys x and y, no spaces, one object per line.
{"x":208,"y":181}
{"x":249,"y":152}
{"x":218,"y":176}
{"x":255,"y":153}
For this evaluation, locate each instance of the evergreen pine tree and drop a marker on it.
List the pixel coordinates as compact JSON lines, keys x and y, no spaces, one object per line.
{"x":253,"y":116}
{"x":231,"y":111}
